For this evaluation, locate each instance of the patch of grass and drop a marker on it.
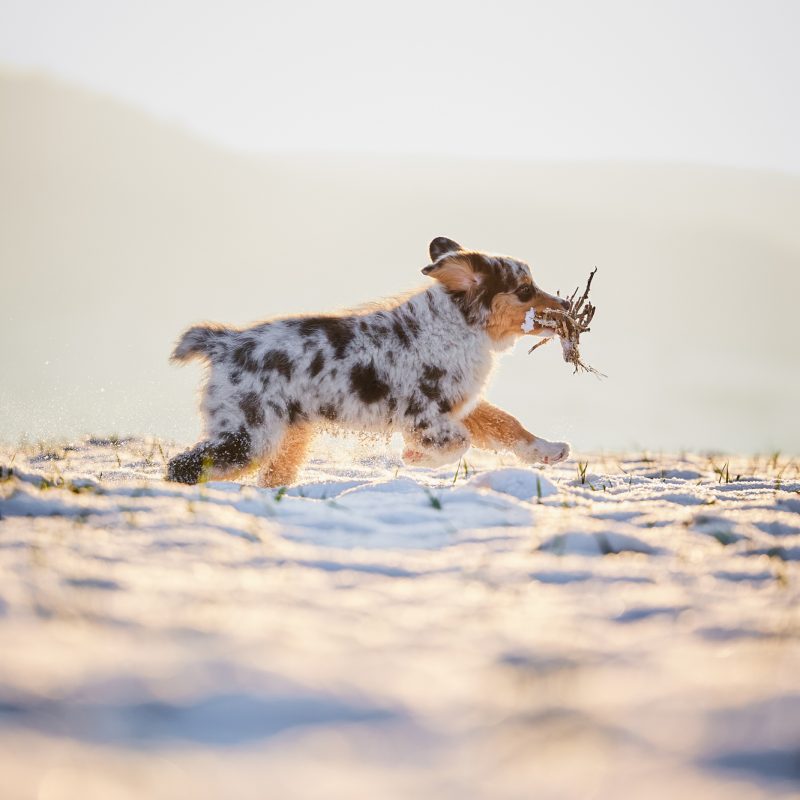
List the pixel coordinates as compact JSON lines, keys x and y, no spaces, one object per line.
{"x":582,"y":467}
{"x":434,"y":500}
{"x":779,"y":476}
{"x":279,"y":495}
{"x":462,"y":465}
{"x":723,"y":472}
{"x":205,"y":470}
{"x":149,"y":454}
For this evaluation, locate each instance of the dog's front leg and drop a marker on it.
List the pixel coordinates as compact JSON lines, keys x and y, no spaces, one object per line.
{"x":491,"y":428}
{"x":437,"y":442}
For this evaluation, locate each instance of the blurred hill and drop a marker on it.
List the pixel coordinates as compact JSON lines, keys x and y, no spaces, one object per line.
{"x":117,"y":230}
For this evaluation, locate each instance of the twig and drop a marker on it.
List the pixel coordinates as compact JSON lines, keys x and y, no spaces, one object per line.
{"x":568,"y":325}
{"x":539,"y":344}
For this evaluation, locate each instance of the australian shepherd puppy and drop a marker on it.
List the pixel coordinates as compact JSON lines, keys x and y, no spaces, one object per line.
{"x":417,"y":365}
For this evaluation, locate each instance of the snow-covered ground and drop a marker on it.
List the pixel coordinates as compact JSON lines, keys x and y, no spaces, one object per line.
{"x":385,"y":632}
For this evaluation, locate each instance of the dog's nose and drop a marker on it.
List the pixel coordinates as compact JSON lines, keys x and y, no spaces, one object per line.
{"x":564,"y":303}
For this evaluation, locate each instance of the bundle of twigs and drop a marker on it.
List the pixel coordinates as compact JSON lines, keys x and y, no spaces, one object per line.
{"x":568,"y":325}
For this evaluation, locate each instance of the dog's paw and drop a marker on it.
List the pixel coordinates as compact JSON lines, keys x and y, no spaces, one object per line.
{"x":540,"y":451}
{"x":433,"y":457}
{"x":414,"y":458}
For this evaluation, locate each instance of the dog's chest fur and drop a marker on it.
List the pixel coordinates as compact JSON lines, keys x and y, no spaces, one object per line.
{"x":397,"y":368}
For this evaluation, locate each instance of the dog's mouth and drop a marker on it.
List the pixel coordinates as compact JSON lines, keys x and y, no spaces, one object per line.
{"x":538,"y":323}
{"x":542,"y":331}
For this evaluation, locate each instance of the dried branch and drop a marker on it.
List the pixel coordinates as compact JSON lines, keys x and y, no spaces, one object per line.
{"x":568,"y":325}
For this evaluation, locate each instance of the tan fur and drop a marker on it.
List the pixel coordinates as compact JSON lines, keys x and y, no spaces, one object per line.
{"x":282,"y":470}
{"x":456,"y":274}
{"x":492,"y":428}
{"x":506,"y":316}
{"x":508,"y":313}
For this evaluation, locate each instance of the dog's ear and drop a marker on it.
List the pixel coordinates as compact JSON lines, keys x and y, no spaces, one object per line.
{"x":454,"y":272}
{"x":441,"y":245}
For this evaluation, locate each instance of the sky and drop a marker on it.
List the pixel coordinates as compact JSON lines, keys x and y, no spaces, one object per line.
{"x":147,"y":148}
{"x":703,"y":81}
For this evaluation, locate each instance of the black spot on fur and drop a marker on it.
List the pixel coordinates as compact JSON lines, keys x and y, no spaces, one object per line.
{"x":295,"y":411}
{"x":412,"y":326}
{"x":315,"y":367}
{"x":276,"y":408}
{"x":443,"y":439}
{"x":252,"y":409}
{"x":229,"y":450}
{"x":243,"y":356}
{"x":432,"y":373}
{"x":339,"y":332}
{"x":235,"y":377}
{"x":496,"y":278}
{"x":329,"y":411}
{"x":186,"y":468}
{"x":366,"y":383}
{"x":445,"y":405}
{"x":233,"y":449}
{"x":400,"y":333}
{"x":429,"y":385}
{"x":374,"y":329}
{"x":413,"y":407}
{"x":430,"y":390}
{"x":277,"y":360}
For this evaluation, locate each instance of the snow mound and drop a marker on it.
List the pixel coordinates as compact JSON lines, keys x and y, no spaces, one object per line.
{"x":524,"y":484}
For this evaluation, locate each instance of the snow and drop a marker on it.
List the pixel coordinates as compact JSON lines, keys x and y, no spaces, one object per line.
{"x":627,"y":629}
{"x":530,"y":321}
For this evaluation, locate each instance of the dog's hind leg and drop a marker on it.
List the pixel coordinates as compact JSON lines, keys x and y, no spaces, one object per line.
{"x":492,"y":428}
{"x":224,"y":456}
{"x":282,"y":467}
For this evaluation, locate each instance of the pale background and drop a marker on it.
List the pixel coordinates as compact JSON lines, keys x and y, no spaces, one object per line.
{"x":162,"y":163}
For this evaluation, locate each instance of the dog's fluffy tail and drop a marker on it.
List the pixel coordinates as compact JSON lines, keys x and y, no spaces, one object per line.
{"x":200,"y":341}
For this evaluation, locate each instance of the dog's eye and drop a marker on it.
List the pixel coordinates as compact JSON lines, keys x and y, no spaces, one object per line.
{"x":525,"y":293}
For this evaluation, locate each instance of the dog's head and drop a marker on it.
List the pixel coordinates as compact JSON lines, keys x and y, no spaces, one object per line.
{"x":494,"y":291}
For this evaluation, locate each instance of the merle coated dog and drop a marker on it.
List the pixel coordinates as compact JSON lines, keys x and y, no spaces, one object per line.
{"x":417,"y":365}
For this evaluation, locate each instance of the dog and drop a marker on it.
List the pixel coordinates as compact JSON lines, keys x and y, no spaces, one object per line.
{"x":417,"y":365}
